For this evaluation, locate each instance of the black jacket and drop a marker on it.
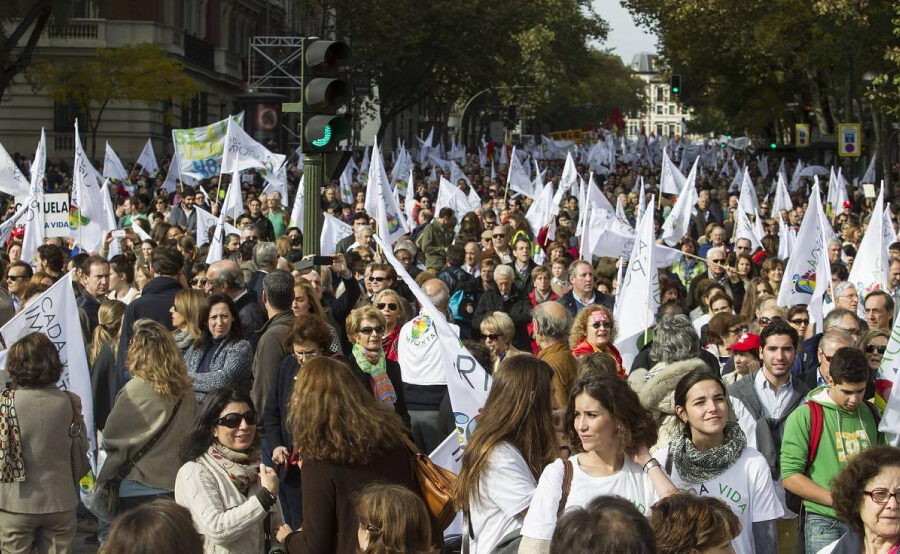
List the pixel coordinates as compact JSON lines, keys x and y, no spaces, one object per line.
{"x":252,"y":316}
{"x":568,"y":301}
{"x":490,"y":302}
{"x":393,"y":372}
{"x":452,"y":276}
{"x":277,"y":431}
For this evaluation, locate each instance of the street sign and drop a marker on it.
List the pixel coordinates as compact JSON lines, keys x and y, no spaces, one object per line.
{"x":849,"y":140}
{"x":802,"y":134}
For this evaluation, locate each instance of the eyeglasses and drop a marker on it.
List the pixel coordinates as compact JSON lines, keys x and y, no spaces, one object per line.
{"x":499,"y":236}
{"x":377,"y":279}
{"x":881,"y":496}
{"x":303,"y":354}
{"x":369,"y":330}
{"x":718,"y":261}
{"x":15,"y":277}
{"x":851,"y":331}
{"x":734,"y":331}
{"x":602,"y":324}
{"x":800,"y":321}
{"x":871,"y":349}
{"x":763,"y":321}
{"x":232,"y":421}
{"x":389,"y":305}
{"x":491,"y":336}
{"x":201,"y":282}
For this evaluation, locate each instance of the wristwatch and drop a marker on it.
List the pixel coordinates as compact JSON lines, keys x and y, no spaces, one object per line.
{"x":651,"y":463}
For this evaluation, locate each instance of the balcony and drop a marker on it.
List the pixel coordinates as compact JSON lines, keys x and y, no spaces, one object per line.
{"x":199,"y":52}
{"x":76,"y":33}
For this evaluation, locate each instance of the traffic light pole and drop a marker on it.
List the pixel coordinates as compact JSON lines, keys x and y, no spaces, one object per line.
{"x":313,"y":178}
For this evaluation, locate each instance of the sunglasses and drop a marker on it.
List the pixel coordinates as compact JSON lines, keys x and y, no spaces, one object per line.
{"x":718,"y":261}
{"x":201,"y":282}
{"x":765,"y":321}
{"x":499,"y":236}
{"x":491,"y":336}
{"x":378,"y":279}
{"x":602,"y":325}
{"x":15,"y":277}
{"x":369,"y":330}
{"x":800,"y":321}
{"x":389,"y":305}
{"x":871,"y":349}
{"x":232,"y":421}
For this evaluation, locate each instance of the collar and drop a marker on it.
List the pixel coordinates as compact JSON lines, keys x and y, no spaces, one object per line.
{"x":239,"y":296}
{"x":581,"y":300}
{"x":763,"y":383}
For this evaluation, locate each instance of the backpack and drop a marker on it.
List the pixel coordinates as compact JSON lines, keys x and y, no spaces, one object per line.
{"x":816,"y":422}
{"x":462,"y":302}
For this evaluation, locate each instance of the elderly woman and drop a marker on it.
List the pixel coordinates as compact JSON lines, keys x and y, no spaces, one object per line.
{"x":874,"y":343}
{"x":393,"y":308}
{"x":498,"y":329}
{"x":676,"y":350}
{"x":594,"y":330}
{"x":865,"y":498}
{"x":37,"y":492}
{"x":308,"y":338}
{"x":221,"y":357}
{"x":380,"y":376}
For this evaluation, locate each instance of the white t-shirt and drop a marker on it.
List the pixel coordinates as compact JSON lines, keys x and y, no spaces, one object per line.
{"x":419,"y":353}
{"x":746,"y":487}
{"x":630,"y":483}
{"x":506,"y":490}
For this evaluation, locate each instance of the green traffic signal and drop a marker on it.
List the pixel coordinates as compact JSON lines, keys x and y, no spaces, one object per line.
{"x":326,"y":137}
{"x":675,"y":90}
{"x":773,"y":145}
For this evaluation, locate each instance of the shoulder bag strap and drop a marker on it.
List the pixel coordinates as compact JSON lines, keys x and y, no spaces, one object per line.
{"x":568,"y":471}
{"x":74,"y":429}
{"x":130,"y":463}
{"x":816,"y":422}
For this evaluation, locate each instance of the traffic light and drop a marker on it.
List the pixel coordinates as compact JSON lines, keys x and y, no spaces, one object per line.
{"x":675,"y":84}
{"x":325,"y":119}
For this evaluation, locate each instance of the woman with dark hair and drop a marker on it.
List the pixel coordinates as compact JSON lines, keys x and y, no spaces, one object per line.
{"x":756,"y":289}
{"x":685,"y":522}
{"x":341,"y":455}
{"x":608,"y":525}
{"x":773,"y":272}
{"x":37,"y":494}
{"x":865,"y":496}
{"x":610,"y":432}
{"x":392,"y":519}
{"x":221,"y":357}
{"x":511,"y":445}
{"x":231,"y":495}
{"x":308,"y":338}
{"x":798,"y":317}
{"x":722,"y":331}
{"x":158,"y":526}
{"x":710,"y":455}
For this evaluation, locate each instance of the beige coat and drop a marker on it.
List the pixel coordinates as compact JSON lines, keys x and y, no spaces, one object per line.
{"x":230,"y":522}
{"x":138,"y":413}
{"x":44,"y":419}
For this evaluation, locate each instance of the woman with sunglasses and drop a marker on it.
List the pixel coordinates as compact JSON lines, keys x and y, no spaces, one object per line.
{"x":380,"y":375}
{"x":231,"y":495}
{"x":393,"y":309}
{"x":308,"y":338}
{"x":874,"y":343}
{"x":498,"y":329}
{"x":594,"y":330}
{"x":798,"y":318}
{"x":221,"y":357}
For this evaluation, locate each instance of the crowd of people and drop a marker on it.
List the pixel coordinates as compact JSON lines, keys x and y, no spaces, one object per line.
{"x":262,"y":402}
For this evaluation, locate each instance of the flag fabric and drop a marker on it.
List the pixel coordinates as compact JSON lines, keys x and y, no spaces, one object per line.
{"x":109,"y":220}
{"x":297,"y":208}
{"x":871,"y":267}
{"x":567,"y":180}
{"x":456,"y":174}
{"x":277,"y":182}
{"x":467,"y":382}
{"x":199,"y":150}
{"x":541,"y":210}
{"x":140,"y":232}
{"x":821,"y":281}
{"x":333,"y":230}
{"x":147,"y":160}
{"x":6,"y":228}
{"x":450,"y":196}
{"x":345,"y":184}
{"x":798,"y":282}
{"x":363,"y":175}
{"x":241,"y":151}
{"x":642,"y":201}
{"x":748,"y":200}
{"x":677,"y":224}
{"x":172,"y":175}
{"x":671,"y":180}
{"x":205,"y":220}
{"x":55,"y":314}
{"x":231,"y":205}
{"x":112,"y":165}
{"x":409,"y":202}
{"x":12,"y":181}
{"x":389,"y":222}
{"x":517,"y":177}
{"x":869,"y":175}
{"x":85,"y":186}
{"x":744,"y":230}
{"x":795,"y":177}
{"x":782,"y":200}
{"x":785,"y":239}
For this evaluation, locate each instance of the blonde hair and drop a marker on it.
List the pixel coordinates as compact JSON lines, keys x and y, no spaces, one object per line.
{"x":283,"y":245}
{"x":401,"y":304}
{"x":315,"y":307}
{"x":154,"y":357}
{"x":109,"y":325}
{"x":356,"y":317}
{"x":499,"y":322}
{"x":188,"y":303}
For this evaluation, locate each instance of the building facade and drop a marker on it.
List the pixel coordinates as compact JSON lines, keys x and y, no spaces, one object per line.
{"x":663,"y":115}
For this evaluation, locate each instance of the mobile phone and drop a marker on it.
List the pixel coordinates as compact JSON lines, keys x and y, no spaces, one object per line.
{"x":323,"y":260}
{"x":118,"y":234}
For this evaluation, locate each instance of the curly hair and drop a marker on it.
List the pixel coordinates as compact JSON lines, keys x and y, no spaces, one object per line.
{"x":154,"y":357}
{"x":364,"y":429}
{"x":579,"y":326}
{"x":685,"y":523}
{"x":847,"y":488}
{"x":311,"y":328}
{"x":33,"y":361}
{"x":634,"y":423}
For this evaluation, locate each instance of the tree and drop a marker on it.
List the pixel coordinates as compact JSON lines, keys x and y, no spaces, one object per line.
{"x":140,"y":72}
{"x":13,"y":58}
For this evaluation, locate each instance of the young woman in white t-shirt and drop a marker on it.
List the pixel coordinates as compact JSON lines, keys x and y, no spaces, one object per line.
{"x":710,"y":456}
{"x":610,"y":430}
{"x":513,"y":441}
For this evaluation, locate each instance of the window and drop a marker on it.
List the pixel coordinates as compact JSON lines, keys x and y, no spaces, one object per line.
{"x":671,"y":130}
{"x":659,"y":94}
{"x":672,"y":109}
{"x":659,"y":129}
{"x":63,"y":116}
{"x":659,"y":109}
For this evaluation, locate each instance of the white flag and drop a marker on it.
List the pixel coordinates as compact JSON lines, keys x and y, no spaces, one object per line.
{"x":456,"y":174}
{"x":147,"y":160}
{"x":467,"y":382}
{"x":333,"y":230}
{"x":172,"y":175}
{"x":449,"y":196}
{"x":517,"y":178}
{"x":109,"y":220}
{"x":297,"y":209}
{"x":871,"y":267}
{"x":748,"y":201}
{"x":345,"y":183}
{"x":241,"y":151}
{"x":12,"y":181}
{"x":869,"y":175}
{"x":277,"y":182}
{"x":86,"y":186}
{"x":205,"y":220}
{"x":6,"y":228}
{"x":112,"y":165}
{"x":822,"y":279}
{"x":744,"y":230}
{"x":785,"y":239}
{"x":389,"y":222}
{"x":567,"y":180}
{"x":782,"y":200}
{"x":671,"y":180}
{"x":541,"y":210}
{"x":55,"y":314}
{"x":797,"y":284}
{"x":677,"y":224}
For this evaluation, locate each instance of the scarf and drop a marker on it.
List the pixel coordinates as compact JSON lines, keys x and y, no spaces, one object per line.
{"x":390,"y":343}
{"x":12,"y":463}
{"x":241,"y":467}
{"x":697,"y":467}
{"x":374,"y":364}
{"x":183,"y":339}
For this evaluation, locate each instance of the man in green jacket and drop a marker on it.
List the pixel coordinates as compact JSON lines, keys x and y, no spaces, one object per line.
{"x":848,"y":426}
{"x":436,"y":237}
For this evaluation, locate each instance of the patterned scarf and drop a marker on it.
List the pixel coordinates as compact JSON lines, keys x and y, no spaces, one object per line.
{"x":241,"y":467}
{"x":697,"y":467}
{"x":12,"y":463}
{"x":374,"y":364}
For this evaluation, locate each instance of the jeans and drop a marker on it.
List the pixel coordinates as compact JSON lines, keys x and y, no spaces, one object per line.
{"x":819,"y":531}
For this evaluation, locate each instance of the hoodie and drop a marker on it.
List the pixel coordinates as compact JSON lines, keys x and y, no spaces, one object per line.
{"x":844,"y":435}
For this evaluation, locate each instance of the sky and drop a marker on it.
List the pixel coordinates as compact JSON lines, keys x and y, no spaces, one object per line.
{"x":625,"y":38}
